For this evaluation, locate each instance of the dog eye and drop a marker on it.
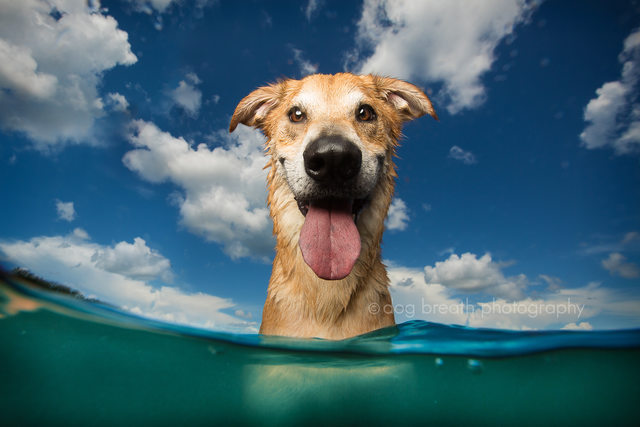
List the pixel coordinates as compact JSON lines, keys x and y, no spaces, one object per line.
{"x":365,"y":113}
{"x":296,"y":115}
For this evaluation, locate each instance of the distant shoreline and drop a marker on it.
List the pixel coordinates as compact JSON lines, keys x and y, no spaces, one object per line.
{"x":24,"y":274}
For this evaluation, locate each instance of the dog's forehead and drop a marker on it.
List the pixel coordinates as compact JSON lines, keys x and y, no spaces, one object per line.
{"x":334,"y":94}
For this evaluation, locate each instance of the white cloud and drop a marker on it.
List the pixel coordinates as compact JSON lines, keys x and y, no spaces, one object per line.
{"x":616,"y":265}
{"x":102,"y":272}
{"x":193,"y":78}
{"x":80,"y":233}
{"x":602,"y":113}
{"x":553,"y":283}
{"x":267,"y":20}
{"x":450,"y":42}
{"x":631,"y":237}
{"x":397,"y":217}
{"x":117,"y":102}
{"x":469,"y":273}
{"x":312,"y":7}
{"x":66,"y":211}
{"x":51,"y":65}
{"x":18,"y":71}
{"x":447,"y":251}
{"x":148,"y":6}
{"x":465,"y":157}
{"x":161,"y":6}
{"x":629,"y":242}
{"x":243,"y":314}
{"x":305,"y":66}
{"x":187,"y":96}
{"x":613,"y":116}
{"x":223,"y":190}
{"x":136,"y":261}
{"x":582,"y":326}
{"x":415,"y":297}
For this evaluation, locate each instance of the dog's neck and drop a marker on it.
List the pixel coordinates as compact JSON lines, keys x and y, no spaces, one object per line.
{"x":301,"y":304}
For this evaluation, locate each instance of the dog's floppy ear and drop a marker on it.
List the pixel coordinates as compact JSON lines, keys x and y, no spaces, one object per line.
{"x":407,"y":99}
{"x":253,"y":108}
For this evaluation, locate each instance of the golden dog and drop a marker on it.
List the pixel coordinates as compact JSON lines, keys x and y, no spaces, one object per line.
{"x":331,"y":141}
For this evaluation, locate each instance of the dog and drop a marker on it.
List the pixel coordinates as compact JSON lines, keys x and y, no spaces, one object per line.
{"x":331,"y":140}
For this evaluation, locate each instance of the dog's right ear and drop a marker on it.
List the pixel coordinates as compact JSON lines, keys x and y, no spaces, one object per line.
{"x":253,"y":108}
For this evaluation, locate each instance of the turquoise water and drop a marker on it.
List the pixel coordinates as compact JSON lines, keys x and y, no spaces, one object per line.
{"x":70,"y":362}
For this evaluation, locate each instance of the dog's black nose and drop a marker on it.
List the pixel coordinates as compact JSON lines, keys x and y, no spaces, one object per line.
{"x":332,"y":159}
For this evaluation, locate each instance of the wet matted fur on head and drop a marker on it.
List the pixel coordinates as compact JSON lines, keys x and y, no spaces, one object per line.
{"x":331,"y":141}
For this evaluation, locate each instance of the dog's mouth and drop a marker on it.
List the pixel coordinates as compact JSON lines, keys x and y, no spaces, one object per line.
{"x":356,"y":205}
{"x":329,"y":239}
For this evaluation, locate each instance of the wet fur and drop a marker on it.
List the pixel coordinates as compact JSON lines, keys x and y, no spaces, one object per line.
{"x":298,"y":302}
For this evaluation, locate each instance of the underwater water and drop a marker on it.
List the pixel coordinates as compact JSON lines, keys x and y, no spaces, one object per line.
{"x":70,"y":362}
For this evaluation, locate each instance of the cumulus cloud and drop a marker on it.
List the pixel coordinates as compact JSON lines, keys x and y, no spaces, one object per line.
{"x":305,"y":67}
{"x":613,"y":116}
{"x":469,"y":273}
{"x":52,"y":58}
{"x":416,"y":297}
{"x":465,"y":157}
{"x":222,"y":193}
{"x":409,"y":291}
{"x":103,"y":272}
{"x":397,"y":217}
{"x":437,"y":42}
{"x":117,"y":102}
{"x":187,"y":96}
{"x":18,"y":71}
{"x":616,"y":265}
{"x":136,"y":261}
{"x":66,"y":211}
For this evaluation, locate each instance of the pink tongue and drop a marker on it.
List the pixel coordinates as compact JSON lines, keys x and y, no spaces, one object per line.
{"x":329,"y":239}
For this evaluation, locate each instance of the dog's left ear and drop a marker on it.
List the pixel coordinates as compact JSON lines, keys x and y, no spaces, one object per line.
{"x":407,"y":99}
{"x":253,"y":108}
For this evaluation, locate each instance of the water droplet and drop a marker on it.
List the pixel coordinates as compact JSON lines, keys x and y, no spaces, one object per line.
{"x":474,"y":366}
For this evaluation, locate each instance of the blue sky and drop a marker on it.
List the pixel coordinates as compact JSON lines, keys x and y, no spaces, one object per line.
{"x":119,"y":178}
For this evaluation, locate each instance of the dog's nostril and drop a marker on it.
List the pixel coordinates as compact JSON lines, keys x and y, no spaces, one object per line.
{"x":315,"y":164}
{"x":332,"y":159}
{"x":349,"y":167}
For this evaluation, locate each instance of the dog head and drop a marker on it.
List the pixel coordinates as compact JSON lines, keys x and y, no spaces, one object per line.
{"x":331,"y":139}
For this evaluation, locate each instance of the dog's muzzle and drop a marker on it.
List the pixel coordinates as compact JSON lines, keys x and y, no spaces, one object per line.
{"x":329,"y":239}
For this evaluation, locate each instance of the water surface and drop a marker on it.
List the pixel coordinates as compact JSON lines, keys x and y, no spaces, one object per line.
{"x":71,"y":362}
